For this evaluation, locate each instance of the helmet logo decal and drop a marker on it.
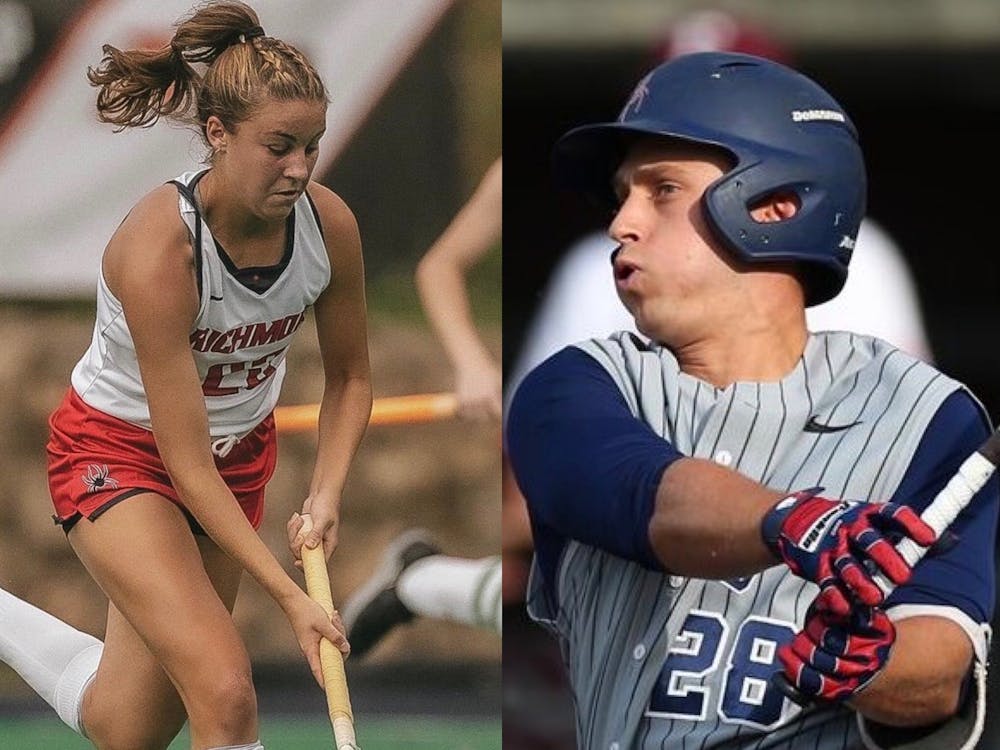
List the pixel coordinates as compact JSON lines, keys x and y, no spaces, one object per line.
{"x":807,"y":115}
{"x":637,"y":99}
{"x":846,"y":242}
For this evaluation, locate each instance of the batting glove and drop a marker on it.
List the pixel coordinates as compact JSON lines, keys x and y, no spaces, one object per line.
{"x":834,"y":657}
{"x":825,"y":540}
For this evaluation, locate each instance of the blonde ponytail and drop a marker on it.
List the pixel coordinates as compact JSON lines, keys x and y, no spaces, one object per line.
{"x":243,"y":67}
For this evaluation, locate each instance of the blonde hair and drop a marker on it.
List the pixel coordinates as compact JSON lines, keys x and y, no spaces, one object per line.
{"x":243,"y":67}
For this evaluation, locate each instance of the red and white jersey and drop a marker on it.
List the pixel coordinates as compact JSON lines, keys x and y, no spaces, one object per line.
{"x":239,"y":338}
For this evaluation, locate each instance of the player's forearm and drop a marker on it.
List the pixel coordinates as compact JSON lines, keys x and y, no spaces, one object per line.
{"x":441,"y":286}
{"x":344,"y":414}
{"x":180,"y":426}
{"x":908,"y":702}
{"x":213,"y":506}
{"x":706,"y":521}
{"x":922,"y":681}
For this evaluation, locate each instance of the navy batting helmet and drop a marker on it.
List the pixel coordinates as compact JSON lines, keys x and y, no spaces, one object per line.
{"x":784,"y":133}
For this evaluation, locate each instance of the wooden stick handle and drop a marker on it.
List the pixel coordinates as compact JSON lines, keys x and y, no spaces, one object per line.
{"x":338,"y":700}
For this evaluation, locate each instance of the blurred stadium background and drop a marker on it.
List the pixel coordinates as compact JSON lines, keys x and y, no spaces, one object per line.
{"x":918,"y":78}
{"x":415,"y":121}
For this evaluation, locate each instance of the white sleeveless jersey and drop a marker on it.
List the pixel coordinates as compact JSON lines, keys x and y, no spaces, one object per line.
{"x":239,"y":338}
{"x":662,"y":661}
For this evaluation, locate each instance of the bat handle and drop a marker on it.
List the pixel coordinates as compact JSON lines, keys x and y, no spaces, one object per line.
{"x":974,"y":472}
{"x":972,"y":475}
{"x":331,"y":660}
{"x":785,"y":686}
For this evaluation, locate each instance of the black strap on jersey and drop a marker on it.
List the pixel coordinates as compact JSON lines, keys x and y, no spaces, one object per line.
{"x":315,"y":214}
{"x":188,"y":192}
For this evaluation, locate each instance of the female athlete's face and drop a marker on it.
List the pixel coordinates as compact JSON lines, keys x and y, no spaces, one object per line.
{"x":668,"y":272}
{"x":269,"y":158}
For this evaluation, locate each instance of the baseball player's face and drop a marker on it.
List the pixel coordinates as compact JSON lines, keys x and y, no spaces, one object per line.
{"x":668,"y":272}
{"x":270,"y":157}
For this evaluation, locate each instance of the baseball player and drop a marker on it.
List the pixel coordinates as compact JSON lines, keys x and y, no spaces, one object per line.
{"x":708,"y":508}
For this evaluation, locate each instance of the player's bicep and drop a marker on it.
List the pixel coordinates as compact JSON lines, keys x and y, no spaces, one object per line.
{"x":587,"y":466}
{"x":341,"y":316}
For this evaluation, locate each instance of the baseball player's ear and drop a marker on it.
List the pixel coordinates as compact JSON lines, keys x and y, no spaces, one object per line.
{"x":775,"y":207}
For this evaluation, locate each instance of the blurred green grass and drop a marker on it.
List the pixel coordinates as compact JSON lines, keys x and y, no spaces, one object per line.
{"x":291,"y":733}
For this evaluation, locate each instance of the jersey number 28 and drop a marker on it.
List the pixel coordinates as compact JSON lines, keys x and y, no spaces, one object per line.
{"x":684,"y":687}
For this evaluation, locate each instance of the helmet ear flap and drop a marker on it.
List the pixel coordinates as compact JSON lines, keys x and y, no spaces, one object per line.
{"x":818,"y":235}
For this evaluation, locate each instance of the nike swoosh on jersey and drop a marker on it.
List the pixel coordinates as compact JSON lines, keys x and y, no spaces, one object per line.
{"x":813,"y":426}
{"x":213,"y":297}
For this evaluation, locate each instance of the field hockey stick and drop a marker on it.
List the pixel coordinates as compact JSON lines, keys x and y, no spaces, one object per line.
{"x":338,"y":701}
{"x":971,"y":477}
{"x":412,"y":409}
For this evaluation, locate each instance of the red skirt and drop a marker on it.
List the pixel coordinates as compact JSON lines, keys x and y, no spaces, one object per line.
{"x":97,"y":460}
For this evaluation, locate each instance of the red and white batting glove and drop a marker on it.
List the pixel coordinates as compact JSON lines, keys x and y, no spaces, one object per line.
{"x":835,"y":656}
{"x":825,"y":540}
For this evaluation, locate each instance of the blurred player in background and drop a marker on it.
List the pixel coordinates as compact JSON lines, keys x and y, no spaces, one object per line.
{"x":673,"y":579}
{"x":413,"y":578}
{"x":161,"y":449}
{"x":441,"y":283}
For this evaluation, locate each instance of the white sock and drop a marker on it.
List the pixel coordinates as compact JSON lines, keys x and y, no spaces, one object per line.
{"x":454,"y":588}
{"x":57,"y":660}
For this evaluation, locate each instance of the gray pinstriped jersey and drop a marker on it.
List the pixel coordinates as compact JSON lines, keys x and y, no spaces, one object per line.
{"x":659,"y":661}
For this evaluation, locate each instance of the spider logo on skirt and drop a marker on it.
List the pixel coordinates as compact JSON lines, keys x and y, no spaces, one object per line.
{"x":97,"y":478}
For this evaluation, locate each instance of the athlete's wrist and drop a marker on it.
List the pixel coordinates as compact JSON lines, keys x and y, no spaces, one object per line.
{"x":286,"y":594}
{"x":772,"y":521}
